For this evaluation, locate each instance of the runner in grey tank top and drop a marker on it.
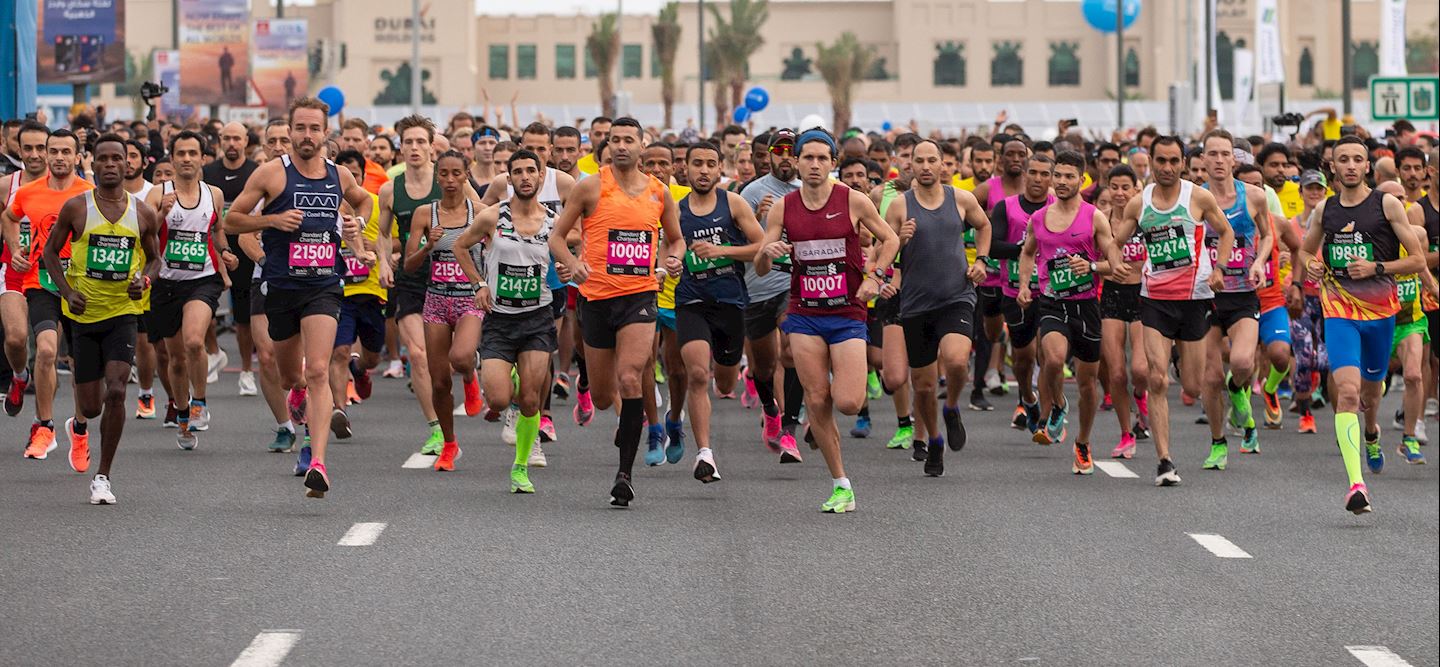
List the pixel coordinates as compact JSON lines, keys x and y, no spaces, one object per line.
{"x":934,"y":259}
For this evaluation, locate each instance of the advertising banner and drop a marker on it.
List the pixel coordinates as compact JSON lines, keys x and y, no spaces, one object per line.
{"x":167,"y":72}
{"x":214,"y":51}
{"x":280,"y":62}
{"x":81,"y":41}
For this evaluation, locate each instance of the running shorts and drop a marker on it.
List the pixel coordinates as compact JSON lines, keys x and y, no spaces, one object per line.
{"x":720,"y":325}
{"x":505,"y":336}
{"x":257,"y":298}
{"x":987,"y":301}
{"x":1185,"y":321}
{"x":1022,"y":323}
{"x":1362,"y":344}
{"x":362,"y":317}
{"x":406,"y":301}
{"x":168,"y":299}
{"x":449,"y":310}
{"x":557,"y":303}
{"x":1275,"y":326}
{"x":834,"y":329}
{"x":1120,"y":302}
{"x":44,"y":310}
{"x":600,"y":319}
{"x":1420,"y":327}
{"x":1078,"y":320}
{"x":665,"y":319}
{"x":924,"y":331}
{"x":285,"y":308}
{"x":1231,"y":307}
{"x":93,"y":346}
{"x":763,"y":317}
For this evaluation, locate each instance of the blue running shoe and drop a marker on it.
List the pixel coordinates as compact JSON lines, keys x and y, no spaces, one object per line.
{"x":655,"y":453}
{"x":1410,"y":449}
{"x":862,"y":428}
{"x":1032,"y":417}
{"x":675,"y":433}
{"x":1374,"y":453}
{"x":302,"y":460}
{"x":1056,"y":427}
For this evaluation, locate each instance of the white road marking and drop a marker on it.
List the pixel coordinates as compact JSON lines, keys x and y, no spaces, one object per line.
{"x":268,"y":649}
{"x":1376,"y":656}
{"x":1219,"y":545}
{"x":361,"y":535}
{"x":418,"y":460}
{"x":1116,"y":469}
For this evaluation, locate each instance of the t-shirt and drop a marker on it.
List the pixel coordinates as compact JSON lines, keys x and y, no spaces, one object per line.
{"x":230,"y":181}
{"x":777,"y":281}
{"x":375,"y":177}
{"x":1290,"y":200}
{"x":42,"y":205}
{"x":587,"y":165}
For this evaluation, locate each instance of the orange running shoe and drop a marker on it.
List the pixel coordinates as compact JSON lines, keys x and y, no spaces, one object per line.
{"x":448,"y":454}
{"x":1186,"y":398}
{"x":474,"y":403}
{"x":1307,"y":423}
{"x":351,"y":396}
{"x":145,"y":408}
{"x":79,"y":447}
{"x":1274,"y":413}
{"x":42,"y":442}
{"x":1082,"y":465}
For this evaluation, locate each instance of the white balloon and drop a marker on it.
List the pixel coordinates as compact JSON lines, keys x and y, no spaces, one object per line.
{"x":812,"y":120}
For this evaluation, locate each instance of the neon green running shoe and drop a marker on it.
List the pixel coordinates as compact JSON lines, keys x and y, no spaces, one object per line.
{"x":903,"y":436}
{"x":840,"y":502}
{"x":520,"y":480}
{"x":433,"y":444}
{"x":659,"y":373}
{"x":1241,"y":414}
{"x":1219,"y":456}
{"x":873,"y":391}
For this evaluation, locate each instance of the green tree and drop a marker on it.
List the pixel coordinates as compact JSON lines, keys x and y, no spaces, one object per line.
{"x":841,"y":64}
{"x":665,"y":33}
{"x":603,"y":47}
{"x":732,"y":41}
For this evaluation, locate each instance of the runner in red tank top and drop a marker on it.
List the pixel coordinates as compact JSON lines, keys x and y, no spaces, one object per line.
{"x":829,"y":286}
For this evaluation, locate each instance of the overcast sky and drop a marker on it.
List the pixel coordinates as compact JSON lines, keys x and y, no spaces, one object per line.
{"x":565,"y":6}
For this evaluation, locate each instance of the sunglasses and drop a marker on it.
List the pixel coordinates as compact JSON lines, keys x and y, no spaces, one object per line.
{"x":783,"y":148}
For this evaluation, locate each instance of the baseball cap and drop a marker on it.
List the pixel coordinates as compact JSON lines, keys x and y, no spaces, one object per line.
{"x":1312,"y":177}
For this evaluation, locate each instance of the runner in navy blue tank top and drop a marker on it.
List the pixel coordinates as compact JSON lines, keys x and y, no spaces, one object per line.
{"x":301,"y":227}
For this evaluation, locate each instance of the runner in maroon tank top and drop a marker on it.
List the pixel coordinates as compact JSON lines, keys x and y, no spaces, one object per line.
{"x":828,"y":290}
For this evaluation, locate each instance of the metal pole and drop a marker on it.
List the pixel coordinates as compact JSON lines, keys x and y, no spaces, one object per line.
{"x":1209,"y":55}
{"x":1120,"y":64}
{"x":415,"y":56}
{"x":279,"y":9}
{"x":701,"y":74}
{"x":1345,"y":56}
{"x":175,"y":24}
{"x":620,"y":62}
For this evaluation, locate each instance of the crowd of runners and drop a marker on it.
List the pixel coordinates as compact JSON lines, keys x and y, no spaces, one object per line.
{"x":809,"y":272}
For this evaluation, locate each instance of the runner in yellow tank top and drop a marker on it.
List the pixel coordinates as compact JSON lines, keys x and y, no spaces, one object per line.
{"x":113,"y":246}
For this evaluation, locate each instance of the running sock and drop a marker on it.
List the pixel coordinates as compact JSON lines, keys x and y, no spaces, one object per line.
{"x":23,"y":376}
{"x":1272,"y":382}
{"x":80,"y":427}
{"x":526,"y":430}
{"x":1230,"y":384}
{"x":1347,"y":435}
{"x":198,"y":401}
{"x":434,"y":425}
{"x":632,"y":421}
{"x":903,"y":421}
{"x":147,"y":393}
{"x":794,"y":397}
{"x":765,"y":389}
{"x":864,"y":411}
{"x":287,"y":425}
{"x":47,"y":423}
{"x":583,"y":383}
{"x":842,"y":482}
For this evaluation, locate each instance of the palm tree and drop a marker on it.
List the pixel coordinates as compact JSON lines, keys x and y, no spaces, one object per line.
{"x":842,"y":64}
{"x":732,"y":41}
{"x":603,"y":45}
{"x":666,"y":34}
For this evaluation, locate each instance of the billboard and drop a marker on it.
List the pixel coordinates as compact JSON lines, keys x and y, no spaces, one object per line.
{"x":167,"y":72}
{"x":214,"y":51}
{"x":280,"y":64}
{"x":81,"y":41}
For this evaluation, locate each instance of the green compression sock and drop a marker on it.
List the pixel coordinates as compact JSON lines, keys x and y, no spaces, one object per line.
{"x":526,"y":430}
{"x":1272,"y":383}
{"x":1347,"y":435}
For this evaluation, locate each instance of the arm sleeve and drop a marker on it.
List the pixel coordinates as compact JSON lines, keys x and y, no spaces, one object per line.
{"x":1000,"y":248}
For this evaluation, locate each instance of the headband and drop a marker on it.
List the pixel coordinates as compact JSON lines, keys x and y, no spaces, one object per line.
{"x":816,"y":134}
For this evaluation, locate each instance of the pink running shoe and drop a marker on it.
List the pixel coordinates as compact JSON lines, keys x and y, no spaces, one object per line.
{"x":789,"y":453}
{"x":547,"y":429}
{"x":1142,"y":411}
{"x":296,"y":402}
{"x":1126,"y":448}
{"x":749,"y":399}
{"x":773,"y":436}
{"x":1357,"y":499}
{"x":584,"y":408}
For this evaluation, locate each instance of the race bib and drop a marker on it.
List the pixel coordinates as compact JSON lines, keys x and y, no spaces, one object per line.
{"x":824,"y":286}
{"x":704,"y":269}
{"x":447,"y":272}
{"x":782,"y":264}
{"x":312,"y":255}
{"x":1167,"y":248}
{"x":356,"y":271}
{"x":628,"y":252}
{"x":1234,"y":270}
{"x":1134,"y":250}
{"x":25,"y":232}
{"x":186,"y":250}
{"x":1408,"y":290}
{"x":1064,"y":281}
{"x":1012,"y":276}
{"x":46,"y":282}
{"x":1338,"y":256}
{"x":519,"y":286}
{"x":109,"y":257}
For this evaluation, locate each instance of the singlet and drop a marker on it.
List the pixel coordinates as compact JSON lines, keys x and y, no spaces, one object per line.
{"x":1272,"y":292}
{"x":665,"y":298}
{"x":404,"y":207}
{"x":187,"y":251}
{"x":41,"y":205}
{"x":515,"y":264}
{"x":1016,"y":221}
{"x":230,"y":181}
{"x":1173,"y":270}
{"x":1357,"y":232}
{"x":777,"y":281}
{"x":827,"y":258}
{"x":305,"y":258}
{"x":619,"y":239}
{"x":716,"y":280}
{"x":12,"y":189}
{"x":1053,"y":251}
{"x":934,"y":262}
{"x":446,"y":276}
{"x":360,"y":278}
{"x":1235,"y":269}
{"x":106,"y":256}
{"x":1432,"y":233}
{"x":549,"y":197}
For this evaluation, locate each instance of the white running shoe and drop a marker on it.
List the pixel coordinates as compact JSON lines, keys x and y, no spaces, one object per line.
{"x":394,"y":370}
{"x":993,"y":381}
{"x":508,"y":433}
{"x":1432,"y":408}
{"x":100,"y":491}
{"x":217,"y":362}
{"x":199,"y":418}
{"x":247,"y":383}
{"x":537,"y":456}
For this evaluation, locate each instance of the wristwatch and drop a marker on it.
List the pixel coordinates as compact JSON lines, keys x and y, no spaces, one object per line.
{"x":1379,"y":268}
{"x":479,"y":285}
{"x":1094,"y":268}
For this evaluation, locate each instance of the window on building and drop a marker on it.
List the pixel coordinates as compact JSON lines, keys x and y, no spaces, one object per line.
{"x":591,"y":71}
{"x":1064,"y":64}
{"x":525,"y":61}
{"x":1366,"y":63}
{"x":631,"y":59}
{"x":564,"y":61}
{"x":1132,"y":67}
{"x":1307,"y":67}
{"x":1225,"y":64}
{"x":1007,"y":68}
{"x":949,"y":68}
{"x":499,"y":61}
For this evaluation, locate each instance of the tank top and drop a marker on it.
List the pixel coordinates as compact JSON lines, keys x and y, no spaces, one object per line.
{"x":104,"y":259}
{"x":1272,"y":291}
{"x":14,"y":187}
{"x":1053,"y":251}
{"x":934,"y":264}
{"x":719,"y":279}
{"x":515,"y":264}
{"x":187,"y":251}
{"x":305,"y":258}
{"x":826,"y":257}
{"x":995,"y":194}
{"x":549,"y":197}
{"x":619,"y":239}
{"x":404,"y":207}
{"x":360,"y":278}
{"x":1432,"y":232}
{"x":1235,"y":269}
{"x":1174,"y":270}
{"x":446,"y":276}
{"x":1017,"y":220}
{"x":1357,"y":232}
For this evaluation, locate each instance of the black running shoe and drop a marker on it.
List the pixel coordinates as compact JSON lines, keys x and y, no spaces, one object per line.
{"x":954,"y":428}
{"x":917,"y":450}
{"x":623,"y":492}
{"x":979,"y":403}
{"x":1165,"y":474}
{"x":935,"y":459}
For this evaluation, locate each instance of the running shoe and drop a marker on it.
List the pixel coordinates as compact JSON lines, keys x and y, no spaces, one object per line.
{"x":42,"y":442}
{"x":433,"y":443}
{"x":172,"y":416}
{"x":1032,"y":417}
{"x":771,"y":432}
{"x":902,"y":438}
{"x":295,"y":400}
{"x":1357,"y":499}
{"x":675,"y":434}
{"x":302,"y":458}
{"x":80,"y":447}
{"x":1140,"y":431}
{"x":918,"y":451}
{"x":1374,"y":454}
{"x":623,"y":492}
{"x":978,"y":402}
{"x":1019,"y":419}
{"x":954,"y":428}
{"x":995,"y":383}
{"x":246,"y":384}
{"x":394,"y":370}
{"x":364,"y":386}
{"x":1106,"y":403}
{"x":789,"y":453}
{"x":284,"y":440}
{"x":1250,"y":443}
{"x":317,"y":482}
{"x":15,"y":398}
{"x":1054,"y":430}
{"x":1307,"y":423}
{"x":186,"y":439}
{"x":340,"y":424}
{"x":723,"y":395}
{"x":1219,"y":456}
{"x":1240,"y":411}
{"x":655,"y":449}
{"x":1142,"y":414}
{"x":842,"y":500}
{"x":1126,"y":448}
{"x":704,"y":469}
{"x":1186,"y":399}
{"x":1398,"y":423}
{"x":537,"y":457}
{"x":492,"y":414}
{"x":935,"y":458}
{"x":1082,"y":465}
{"x":547,"y":429}
{"x":199,"y":417}
{"x":1165,"y":474}
{"x":584,"y":409}
{"x":216,"y":363}
{"x":861,"y":428}
{"x":474,"y":403}
{"x":352,"y":397}
{"x":100,"y":493}
{"x":520,"y":479}
{"x":1432,"y":407}
{"x":145,"y":407}
{"x":1410,"y":449}
{"x":659,"y":373}
{"x":873,"y":390}
{"x":749,"y":398}
{"x":507,"y":432}
{"x":561,"y":390}
{"x":449,"y":452}
{"x":1274,"y":413}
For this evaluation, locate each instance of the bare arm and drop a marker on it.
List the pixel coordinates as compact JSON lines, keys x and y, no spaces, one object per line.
{"x":1309,"y":245}
{"x":70,"y":221}
{"x":1264,"y":239}
{"x":10,"y":227}
{"x":1414,"y":259}
{"x":771,"y":246}
{"x":868,"y":217}
{"x":419,"y":226}
{"x":581,"y":200}
{"x":261,"y":186}
{"x":150,"y":243}
{"x":1105,"y":241}
{"x":482,"y":228}
{"x":674,"y":236}
{"x":499,"y":184}
{"x":1211,"y":213}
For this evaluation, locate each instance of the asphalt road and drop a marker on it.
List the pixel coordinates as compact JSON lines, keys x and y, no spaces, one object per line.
{"x":214,"y":556}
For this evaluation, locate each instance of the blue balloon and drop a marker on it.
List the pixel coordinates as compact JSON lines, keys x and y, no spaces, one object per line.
{"x":1100,"y":14}
{"x":333,"y":97}
{"x":742,"y":114}
{"x":887,"y":126}
{"x":757,"y":99}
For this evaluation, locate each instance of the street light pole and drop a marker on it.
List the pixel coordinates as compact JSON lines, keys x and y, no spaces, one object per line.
{"x":1346,"y":64}
{"x":701,"y":75}
{"x":415,"y":57}
{"x":1209,"y":55}
{"x":1120,"y":64}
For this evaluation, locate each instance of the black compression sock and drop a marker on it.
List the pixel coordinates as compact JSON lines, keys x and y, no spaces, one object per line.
{"x":794,"y":396}
{"x":765,"y":389}
{"x":584,"y":381}
{"x":864,"y":411}
{"x":81,"y":427}
{"x":632,"y":422}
